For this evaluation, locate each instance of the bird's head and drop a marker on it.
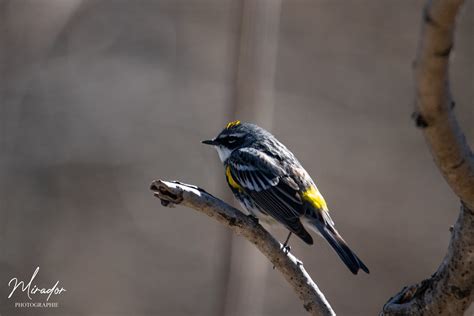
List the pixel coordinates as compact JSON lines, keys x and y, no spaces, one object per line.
{"x":234,"y":136}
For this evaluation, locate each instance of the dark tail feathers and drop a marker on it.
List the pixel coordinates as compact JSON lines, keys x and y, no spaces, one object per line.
{"x":342,"y":249}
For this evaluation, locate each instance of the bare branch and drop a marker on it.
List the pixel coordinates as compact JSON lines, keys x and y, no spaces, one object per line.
{"x":171,"y":193}
{"x":450,"y":291}
{"x":434,"y":106}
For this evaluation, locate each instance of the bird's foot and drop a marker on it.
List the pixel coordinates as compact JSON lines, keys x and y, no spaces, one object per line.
{"x":286,"y":250}
{"x":253,"y":218}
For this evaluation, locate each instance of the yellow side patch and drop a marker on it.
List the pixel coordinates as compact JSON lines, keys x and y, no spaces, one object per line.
{"x":313,"y":196}
{"x":231,"y":180}
{"x":232,"y":124}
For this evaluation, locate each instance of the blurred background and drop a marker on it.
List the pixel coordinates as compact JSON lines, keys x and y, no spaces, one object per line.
{"x":98,"y":98}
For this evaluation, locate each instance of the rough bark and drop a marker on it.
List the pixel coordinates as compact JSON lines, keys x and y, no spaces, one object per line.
{"x":173,"y":193}
{"x":449,"y":291}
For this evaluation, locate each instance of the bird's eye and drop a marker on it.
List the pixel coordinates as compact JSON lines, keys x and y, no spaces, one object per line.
{"x":231,"y":140}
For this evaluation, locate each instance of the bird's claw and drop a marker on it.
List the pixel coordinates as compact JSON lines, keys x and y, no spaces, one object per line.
{"x":253,"y":218}
{"x":286,"y":250}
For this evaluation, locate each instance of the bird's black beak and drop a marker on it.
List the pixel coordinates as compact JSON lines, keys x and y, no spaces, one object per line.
{"x":210,"y":142}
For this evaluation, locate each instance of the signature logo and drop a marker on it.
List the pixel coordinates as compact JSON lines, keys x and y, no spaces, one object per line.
{"x":33,"y":289}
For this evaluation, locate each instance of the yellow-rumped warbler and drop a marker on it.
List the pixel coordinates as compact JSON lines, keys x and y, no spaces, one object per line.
{"x":271,"y":184}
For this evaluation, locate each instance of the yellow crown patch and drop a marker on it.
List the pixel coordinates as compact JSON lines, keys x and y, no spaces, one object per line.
{"x":232,"y":124}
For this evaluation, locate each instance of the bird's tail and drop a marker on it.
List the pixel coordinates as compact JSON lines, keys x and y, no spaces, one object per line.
{"x":327,"y":230}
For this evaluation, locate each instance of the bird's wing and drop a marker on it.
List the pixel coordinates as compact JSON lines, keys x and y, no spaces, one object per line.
{"x":270,"y":187}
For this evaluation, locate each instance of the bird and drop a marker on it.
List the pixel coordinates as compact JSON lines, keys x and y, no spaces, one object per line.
{"x":272,"y":185}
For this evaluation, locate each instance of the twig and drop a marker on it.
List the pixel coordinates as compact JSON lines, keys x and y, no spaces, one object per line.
{"x":450,"y":290}
{"x":172,"y":193}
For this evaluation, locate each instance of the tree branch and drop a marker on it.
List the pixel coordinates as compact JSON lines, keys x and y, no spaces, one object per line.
{"x":434,"y":107}
{"x":450,"y":290}
{"x":172,"y":193}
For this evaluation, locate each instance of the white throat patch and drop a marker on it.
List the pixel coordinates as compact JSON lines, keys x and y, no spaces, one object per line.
{"x":223,"y":152}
